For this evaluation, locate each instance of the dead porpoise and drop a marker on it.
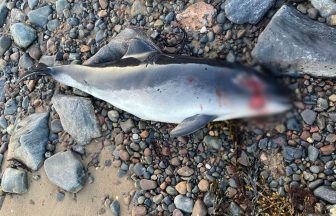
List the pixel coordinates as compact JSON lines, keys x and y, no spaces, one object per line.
{"x":132,"y":74}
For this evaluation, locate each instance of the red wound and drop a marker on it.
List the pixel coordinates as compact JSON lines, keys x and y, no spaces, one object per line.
{"x":257,"y":102}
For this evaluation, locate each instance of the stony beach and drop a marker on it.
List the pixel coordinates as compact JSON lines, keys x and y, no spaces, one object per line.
{"x":64,"y":152}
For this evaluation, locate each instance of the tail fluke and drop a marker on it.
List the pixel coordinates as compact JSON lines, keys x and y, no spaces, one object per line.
{"x":39,"y":70}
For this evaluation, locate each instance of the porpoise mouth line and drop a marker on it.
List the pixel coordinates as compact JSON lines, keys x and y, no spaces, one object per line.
{"x":131,"y":73}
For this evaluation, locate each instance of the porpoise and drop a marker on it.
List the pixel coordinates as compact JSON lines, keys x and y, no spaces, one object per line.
{"x":132,"y":74}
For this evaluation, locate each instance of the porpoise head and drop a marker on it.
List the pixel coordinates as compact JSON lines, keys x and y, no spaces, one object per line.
{"x":259,"y":95}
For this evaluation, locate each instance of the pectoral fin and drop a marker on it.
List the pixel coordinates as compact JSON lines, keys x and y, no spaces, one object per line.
{"x":191,"y":124}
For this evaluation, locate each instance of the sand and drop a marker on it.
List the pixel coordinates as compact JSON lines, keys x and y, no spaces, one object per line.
{"x":41,"y":197}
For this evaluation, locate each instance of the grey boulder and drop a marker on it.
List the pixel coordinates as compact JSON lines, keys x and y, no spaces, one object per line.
{"x":294,"y":44}
{"x":29,"y":140}
{"x":23,"y":34}
{"x":247,"y":11}
{"x":326,"y":193}
{"x":39,"y":17}
{"x":66,"y":171}
{"x":77,"y":117}
{"x":14,"y":181}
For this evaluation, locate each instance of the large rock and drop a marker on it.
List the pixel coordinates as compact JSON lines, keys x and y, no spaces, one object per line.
{"x":77,"y":117}
{"x":3,"y":13}
{"x":297,"y":44}
{"x":5,"y":43}
{"x":29,"y":140}
{"x":66,"y":171}
{"x":196,"y":16}
{"x":14,"y":181}
{"x":325,"y":7}
{"x":39,"y":17}
{"x":247,"y":11}
{"x":23,"y":34}
{"x":184,"y":203}
{"x":326,"y":193}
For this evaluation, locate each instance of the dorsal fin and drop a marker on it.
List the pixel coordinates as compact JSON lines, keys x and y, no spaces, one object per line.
{"x":138,"y":47}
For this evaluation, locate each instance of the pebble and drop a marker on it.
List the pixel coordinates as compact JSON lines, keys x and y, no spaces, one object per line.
{"x":184,"y":203}
{"x":291,"y":153}
{"x":115,"y":208}
{"x":326,"y":193}
{"x":3,"y":13}
{"x":213,"y":142}
{"x":309,"y":116}
{"x":313,"y":153}
{"x":127,"y":125}
{"x":325,"y":7}
{"x":32,"y":3}
{"x":185,"y":171}
{"x":39,"y":17}
{"x":14,"y":181}
{"x":139,"y":211}
{"x":196,"y":16}
{"x":199,"y":208}
{"x":60,"y":196}
{"x":25,"y":61}
{"x":5,"y":43}
{"x":23,"y":35}
{"x":181,"y":187}
{"x":147,"y":184}
{"x":203,"y":185}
